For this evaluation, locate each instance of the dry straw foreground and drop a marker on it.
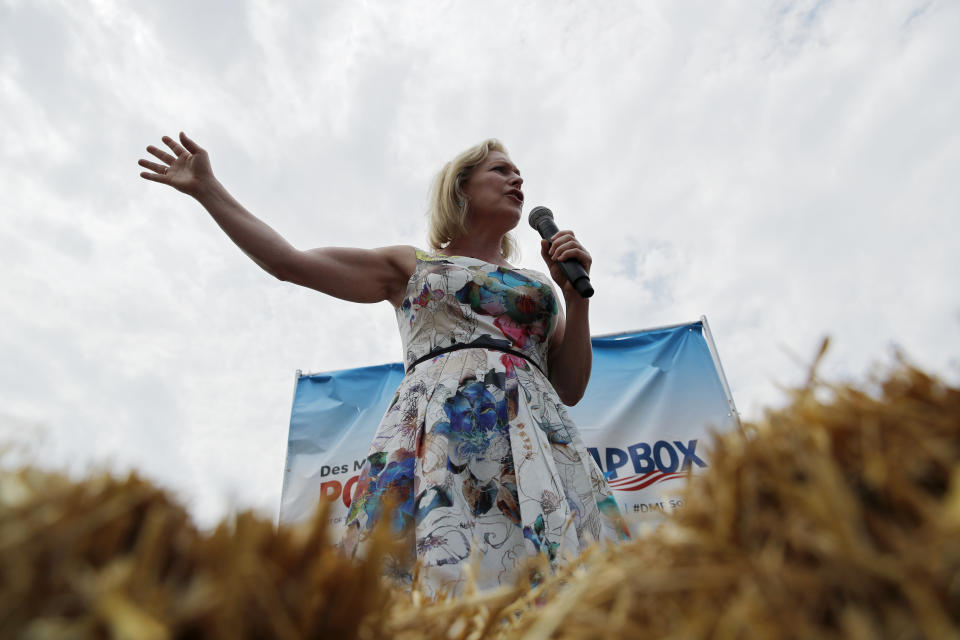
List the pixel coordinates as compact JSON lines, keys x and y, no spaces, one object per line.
{"x":838,"y":516}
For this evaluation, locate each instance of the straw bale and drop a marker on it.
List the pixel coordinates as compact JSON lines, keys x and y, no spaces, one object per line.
{"x":117,"y":558}
{"x":838,"y":516}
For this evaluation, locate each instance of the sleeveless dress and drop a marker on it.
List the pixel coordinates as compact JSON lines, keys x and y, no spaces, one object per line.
{"x":476,"y":449}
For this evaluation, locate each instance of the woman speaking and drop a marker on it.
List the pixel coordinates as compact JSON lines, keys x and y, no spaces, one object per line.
{"x":476,"y":448}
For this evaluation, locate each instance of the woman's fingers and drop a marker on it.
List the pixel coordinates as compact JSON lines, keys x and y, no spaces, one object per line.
{"x":563,"y":241}
{"x":174,"y":146}
{"x":160,"y":153}
{"x":185,"y":169}
{"x":579,"y":254}
{"x":157,"y":173}
{"x":565,"y":246}
{"x":153,"y":166}
{"x":190,"y":145}
{"x":156,"y":177}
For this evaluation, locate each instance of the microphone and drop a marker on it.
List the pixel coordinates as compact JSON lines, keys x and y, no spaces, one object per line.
{"x":541,"y":219}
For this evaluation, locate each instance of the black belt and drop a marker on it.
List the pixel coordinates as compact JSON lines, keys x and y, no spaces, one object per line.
{"x":487,"y":347}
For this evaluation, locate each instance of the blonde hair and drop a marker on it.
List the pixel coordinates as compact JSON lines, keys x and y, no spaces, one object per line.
{"x":448,"y":204}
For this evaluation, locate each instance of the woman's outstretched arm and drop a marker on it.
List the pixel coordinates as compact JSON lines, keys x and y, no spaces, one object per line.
{"x":357,"y":275}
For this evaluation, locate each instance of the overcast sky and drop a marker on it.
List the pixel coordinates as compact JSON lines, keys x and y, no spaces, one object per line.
{"x":788,"y":168}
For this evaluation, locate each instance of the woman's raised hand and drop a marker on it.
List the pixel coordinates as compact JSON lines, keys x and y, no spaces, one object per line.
{"x":187,"y":169}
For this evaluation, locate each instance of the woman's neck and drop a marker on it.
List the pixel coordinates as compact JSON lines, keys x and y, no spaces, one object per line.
{"x":474,"y":247}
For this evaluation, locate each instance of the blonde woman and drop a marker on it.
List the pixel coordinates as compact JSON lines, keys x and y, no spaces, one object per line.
{"x":476,"y":448}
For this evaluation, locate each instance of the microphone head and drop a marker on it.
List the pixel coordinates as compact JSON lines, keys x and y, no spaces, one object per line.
{"x":538,"y":214}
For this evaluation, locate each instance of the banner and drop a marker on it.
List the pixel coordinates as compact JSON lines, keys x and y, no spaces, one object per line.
{"x":653,"y":397}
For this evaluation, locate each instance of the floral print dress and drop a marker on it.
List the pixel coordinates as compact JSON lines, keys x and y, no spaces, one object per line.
{"x":476,"y":448}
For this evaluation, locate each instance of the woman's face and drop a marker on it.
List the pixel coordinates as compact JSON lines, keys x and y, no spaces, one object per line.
{"x":493,"y":192}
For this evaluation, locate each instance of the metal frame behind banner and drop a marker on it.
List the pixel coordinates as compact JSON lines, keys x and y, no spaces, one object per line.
{"x":286,"y":452}
{"x":712,"y":346}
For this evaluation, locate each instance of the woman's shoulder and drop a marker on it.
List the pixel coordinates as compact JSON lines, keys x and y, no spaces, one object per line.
{"x":402,"y":256}
{"x":429,"y":255}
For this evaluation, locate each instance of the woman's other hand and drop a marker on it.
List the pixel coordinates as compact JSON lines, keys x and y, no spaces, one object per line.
{"x":187,"y":169}
{"x":564,"y":246}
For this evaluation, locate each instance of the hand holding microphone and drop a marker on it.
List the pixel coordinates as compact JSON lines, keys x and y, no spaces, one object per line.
{"x":565,"y":246}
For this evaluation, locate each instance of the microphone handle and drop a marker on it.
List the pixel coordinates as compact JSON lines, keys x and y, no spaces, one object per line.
{"x":574,"y":271}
